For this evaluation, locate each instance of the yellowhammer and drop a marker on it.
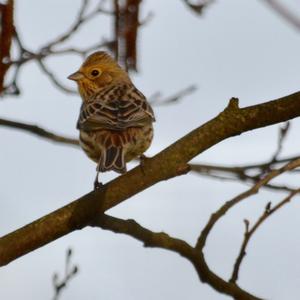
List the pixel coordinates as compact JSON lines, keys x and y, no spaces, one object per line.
{"x":115,"y":120}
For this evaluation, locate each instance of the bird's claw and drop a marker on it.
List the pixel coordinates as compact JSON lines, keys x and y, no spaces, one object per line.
{"x":97,"y":185}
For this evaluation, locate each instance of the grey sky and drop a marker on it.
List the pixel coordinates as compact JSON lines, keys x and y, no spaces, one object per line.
{"x":238,"y":48}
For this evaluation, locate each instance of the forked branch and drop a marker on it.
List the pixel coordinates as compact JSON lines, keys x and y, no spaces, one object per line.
{"x":165,"y":165}
{"x":164,"y":241}
{"x":215,"y":217}
{"x":250,"y":231}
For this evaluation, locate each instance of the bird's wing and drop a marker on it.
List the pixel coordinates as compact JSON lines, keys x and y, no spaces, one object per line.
{"x":117,"y":108}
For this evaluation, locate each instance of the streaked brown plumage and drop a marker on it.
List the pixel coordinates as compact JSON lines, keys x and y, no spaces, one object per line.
{"x":115,"y":120}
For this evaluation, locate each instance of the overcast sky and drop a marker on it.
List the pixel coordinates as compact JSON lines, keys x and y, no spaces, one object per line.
{"x":237,"y":48}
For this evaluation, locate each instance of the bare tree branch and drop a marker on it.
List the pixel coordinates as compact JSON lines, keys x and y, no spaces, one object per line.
{"x":237,"y":173}
{"x":70,"y":272}
{"x":157,"y":100}
{"x":104,"y":43}
{"x":199,"y":6}
{"x":214,"y":171}
{"x":6,"y":35}
{"x":126,"y":28}
{"x":249,"y":232}
{"x":167,"y":164}
{"x":79,"y":20}
{"x":283,"y":131}
{"x":71,"y":141}
{"x":39,"y":131}
{"x":215,"y":217}
{"x":285,"y":13}
{"x":54,"y":80}
{"x":50,"y":49}
{"x":241,"y":168}
{"x":131,"y":18}
{"x":250,"y":173}
{"x":164,"y":241}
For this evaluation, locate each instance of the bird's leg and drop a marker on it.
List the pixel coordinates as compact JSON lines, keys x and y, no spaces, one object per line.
{"x":97,"y":184}
{"x":143,"y":158}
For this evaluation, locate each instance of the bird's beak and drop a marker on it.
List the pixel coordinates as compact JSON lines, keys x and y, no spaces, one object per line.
{"x":76,"y":76}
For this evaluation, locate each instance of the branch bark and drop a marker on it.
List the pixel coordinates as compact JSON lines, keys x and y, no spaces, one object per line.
{"x":168,"y":163}
{"x":229,"y":204}
{"x":34,"y":129}
{"x":284,"y":12}
{"x":249,"y":232}
{"x":6,"y":35}
{"x":164,"y":241}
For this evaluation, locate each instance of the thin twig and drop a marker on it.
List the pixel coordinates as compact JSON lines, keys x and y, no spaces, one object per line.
{"x":241,"y":173}
{"x":285,"y":13}
{"x":215,"y":217}
{"x":70,"y":272}
{"x":198,"y":7}
{"x":50,"y":49}
{"x":53,"y":78}
{"x":84,"y":51}
{"x":237,"y":173}
{"x":79,"y":21}
{"x":283,"y":132}
{"x":39,"y":131}
{"x":249,"y":232}
{"x":157,"y":100}
{"x":240,"y":168}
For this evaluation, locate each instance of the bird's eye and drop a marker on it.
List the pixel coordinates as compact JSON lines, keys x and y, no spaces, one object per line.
{"x":95,"y":73}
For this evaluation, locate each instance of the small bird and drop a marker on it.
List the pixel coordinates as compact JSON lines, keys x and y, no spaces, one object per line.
{"x":115,"y":120}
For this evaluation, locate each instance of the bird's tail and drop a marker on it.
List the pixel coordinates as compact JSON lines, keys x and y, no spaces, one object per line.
{"x":113,"y":160}
{"x":112,"y":146}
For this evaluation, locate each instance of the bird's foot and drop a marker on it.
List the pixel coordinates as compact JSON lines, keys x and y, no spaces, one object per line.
{"x":97,"y":185}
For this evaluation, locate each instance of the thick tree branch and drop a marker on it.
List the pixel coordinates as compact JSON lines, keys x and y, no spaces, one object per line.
{"x":164,"y":241}
{"x":126,"y":28}
{"x":166,"y":164}
{"x":6,"y":34}
{"x":39,"y":131}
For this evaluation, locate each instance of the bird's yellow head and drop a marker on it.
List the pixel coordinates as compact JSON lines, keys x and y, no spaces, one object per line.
{"x":97,"y":71}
